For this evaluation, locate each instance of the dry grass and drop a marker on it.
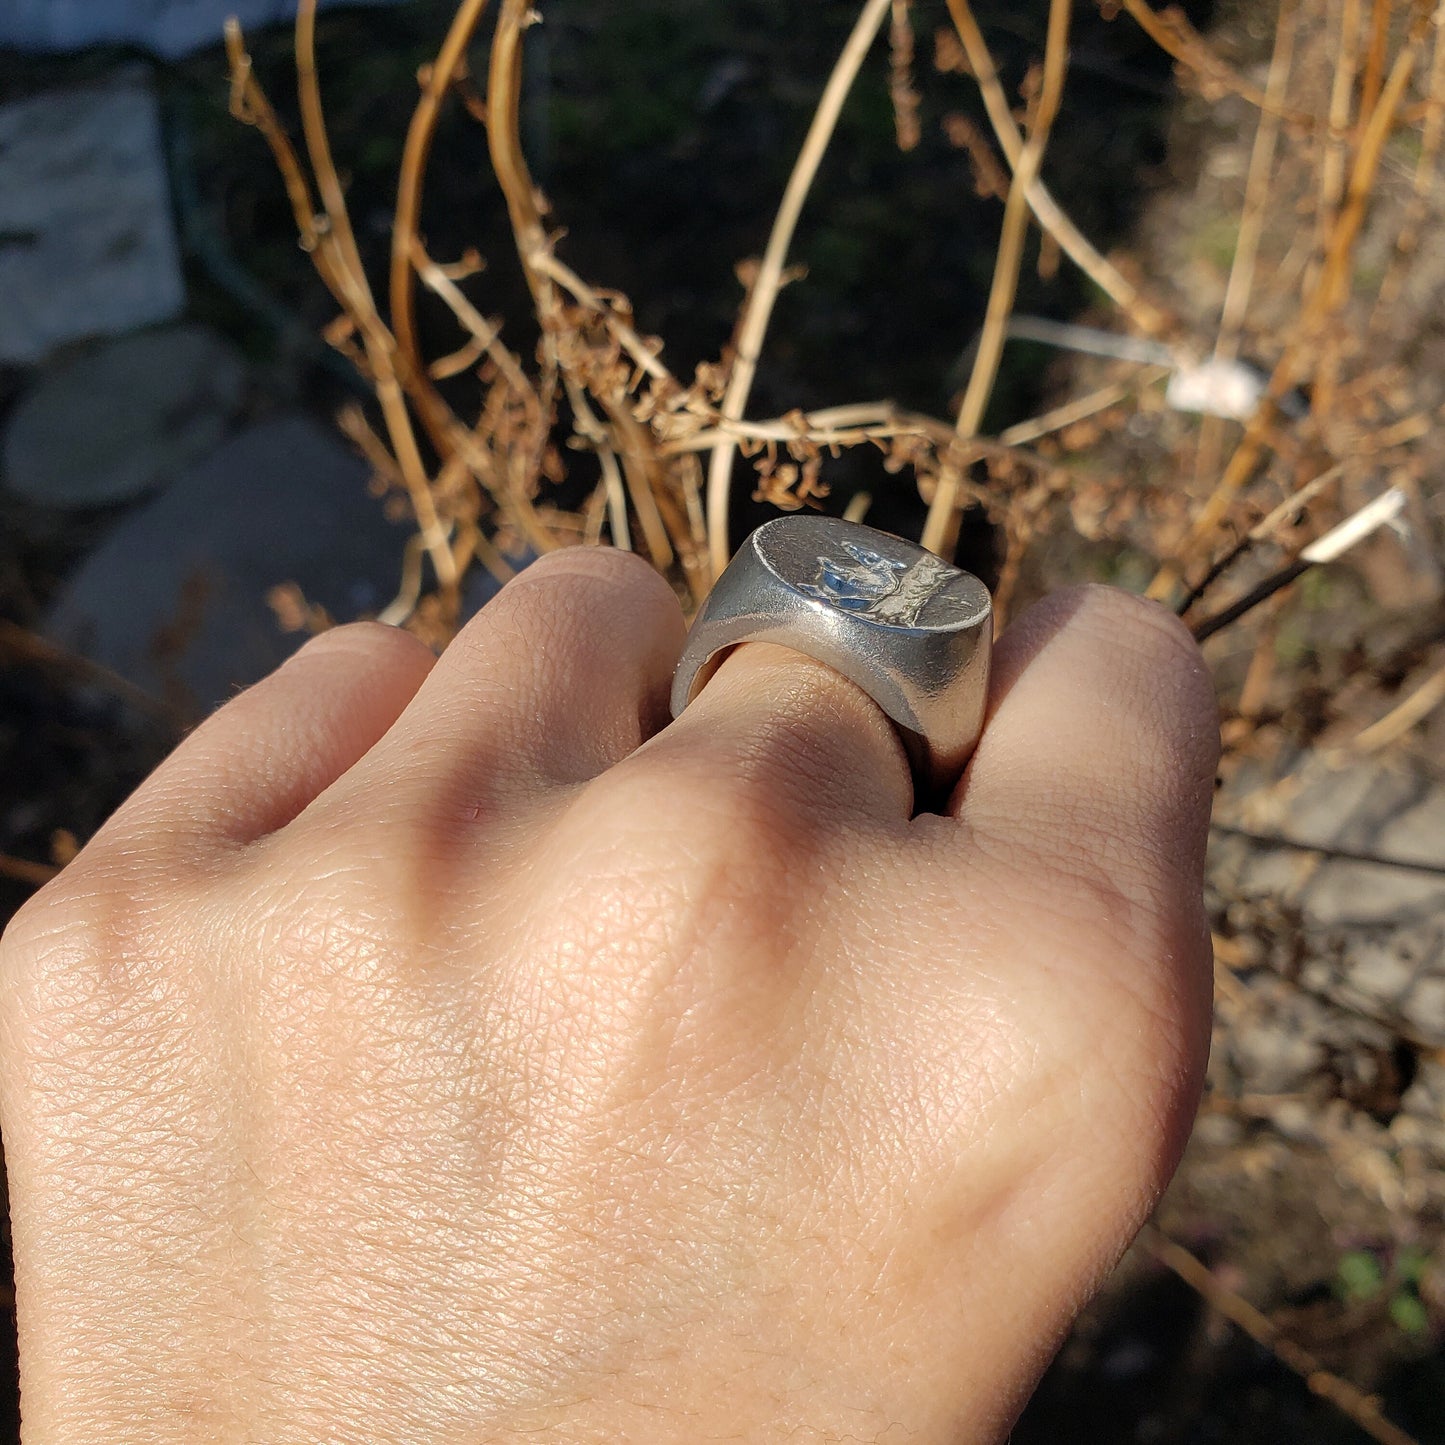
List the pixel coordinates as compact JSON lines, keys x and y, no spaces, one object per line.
{"x":1248,"y":504}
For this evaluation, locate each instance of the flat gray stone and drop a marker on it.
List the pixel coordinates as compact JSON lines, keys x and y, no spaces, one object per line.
{"x":87,"y":247}
{"x":1369,"y":938}
{"x":122,"y":418}
{"x":1365,"y":806}
{"x":175,"y":598}
{"x":1345,"y":806}
{"x":168,"y":27}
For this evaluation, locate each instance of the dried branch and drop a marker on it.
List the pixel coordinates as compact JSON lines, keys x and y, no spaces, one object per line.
{"x":643,"y":355}
{"x":21,"y":645}
{"x":1338,"y":271}
{"x":901,"y":89}
{"x":1347,"y":1398}
{"x":1257,"y":194}
{"x":838,"y":426}
{"x":940,"y":530}
{"x":484,"y":333}
{"x":1382,"y":512}
{"x":328,"y":236}
{"x":1066,"y":414}
{"x":1427,"y":168}
{"x":440,"y":77}
{"x":22,"y":870}
{"x":328,"y":184}
{"x":1146,"y":316}
{"x":1173,"y":34}
{"x":504,"y":88}
{"x":1257,"y":186}
{"x":1329,"y":295}
{"x":1424,"y":866}
{"x":1342,"y":88}
{"x":1374,"y":72}
{"x":1290,"y":508}
{"x":758,"y":308}
{"x":1401,"y":718}
{"x":250,"y":106}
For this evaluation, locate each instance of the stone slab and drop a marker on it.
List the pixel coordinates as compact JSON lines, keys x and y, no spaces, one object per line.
{"x":1369,"y":938}
{"x":122,"y":418}
{"x":87,"y":244}
{"x":175,"y":598}
{"x":171,"y":28}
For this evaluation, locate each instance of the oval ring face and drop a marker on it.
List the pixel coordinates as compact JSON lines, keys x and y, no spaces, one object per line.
{"x":870,"y":575}
{"x":914,"y":633}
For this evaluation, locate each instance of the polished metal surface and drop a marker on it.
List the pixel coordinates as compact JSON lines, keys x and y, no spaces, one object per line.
{"x":914,"y":633}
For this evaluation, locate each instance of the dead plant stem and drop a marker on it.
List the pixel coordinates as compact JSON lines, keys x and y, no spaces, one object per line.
{"x":1348,"y":1398}
{"x":323,"y":167}
{"x":1329,"y":296}
{"x":1145,"y":316}
{"x":486,"y":335}
{"x":1337,"y":143}
{"x":1258,"y":186}
{"x":940,"y":530}
{"x":758,"y":308}
{"x":1400,"y":719}
{"x":22,"y":870}
{"x":405,"y":236}
{"x":1173,"y":34}
{"x":1080,"y":409}
{"x":1426,"y":169}
{"x":1374,"y":72}
{"x":1257,"y":191}
{"x":644,"y":356}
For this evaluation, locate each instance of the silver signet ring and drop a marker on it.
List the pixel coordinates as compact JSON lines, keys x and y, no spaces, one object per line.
{"x":914,"y":633}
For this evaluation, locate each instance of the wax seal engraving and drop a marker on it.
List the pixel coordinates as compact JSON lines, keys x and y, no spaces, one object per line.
{"x":883,"y":588}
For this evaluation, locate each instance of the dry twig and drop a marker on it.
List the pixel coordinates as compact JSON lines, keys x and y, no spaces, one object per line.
{"x":1404,"y":716}
{"x":758,"y":308}
{"x":1173,"y":34}
{"x":1146,"y":316}
{"x":940,"y":531}
{"x":1363,"y":1409}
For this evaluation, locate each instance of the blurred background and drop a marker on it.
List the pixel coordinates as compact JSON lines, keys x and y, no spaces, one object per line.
{"x":191,"y":480}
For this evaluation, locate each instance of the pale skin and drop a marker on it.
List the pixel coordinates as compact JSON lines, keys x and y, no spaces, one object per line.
{"x":451,"y":1051}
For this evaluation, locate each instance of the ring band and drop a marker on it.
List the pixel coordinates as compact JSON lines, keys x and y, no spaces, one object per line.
{"x":914,"y":633}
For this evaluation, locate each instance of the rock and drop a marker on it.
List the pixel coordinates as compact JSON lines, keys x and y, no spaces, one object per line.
{"x":122,"y":418}
{"x":87,"y":247}
{"x":175,"y":599}
{"x":171,"y":28}
{"x":1363,"y":807}
{"x":1367,"y":939}
{"x":1279,"y":1048}
{"x":1421,"y":1123}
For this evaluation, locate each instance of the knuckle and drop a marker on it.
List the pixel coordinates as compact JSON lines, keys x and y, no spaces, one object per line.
{"x":579,"y":579}
{"x":82,"y":951}
{"x":713,"y":860}
{"x":1146,"y":654}
{"x":604,"y":564}
{"x":1153,"y":636}
{"x":373,"y":641}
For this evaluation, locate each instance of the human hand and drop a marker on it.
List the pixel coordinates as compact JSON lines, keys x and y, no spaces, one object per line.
{"x":443,"y":1053}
